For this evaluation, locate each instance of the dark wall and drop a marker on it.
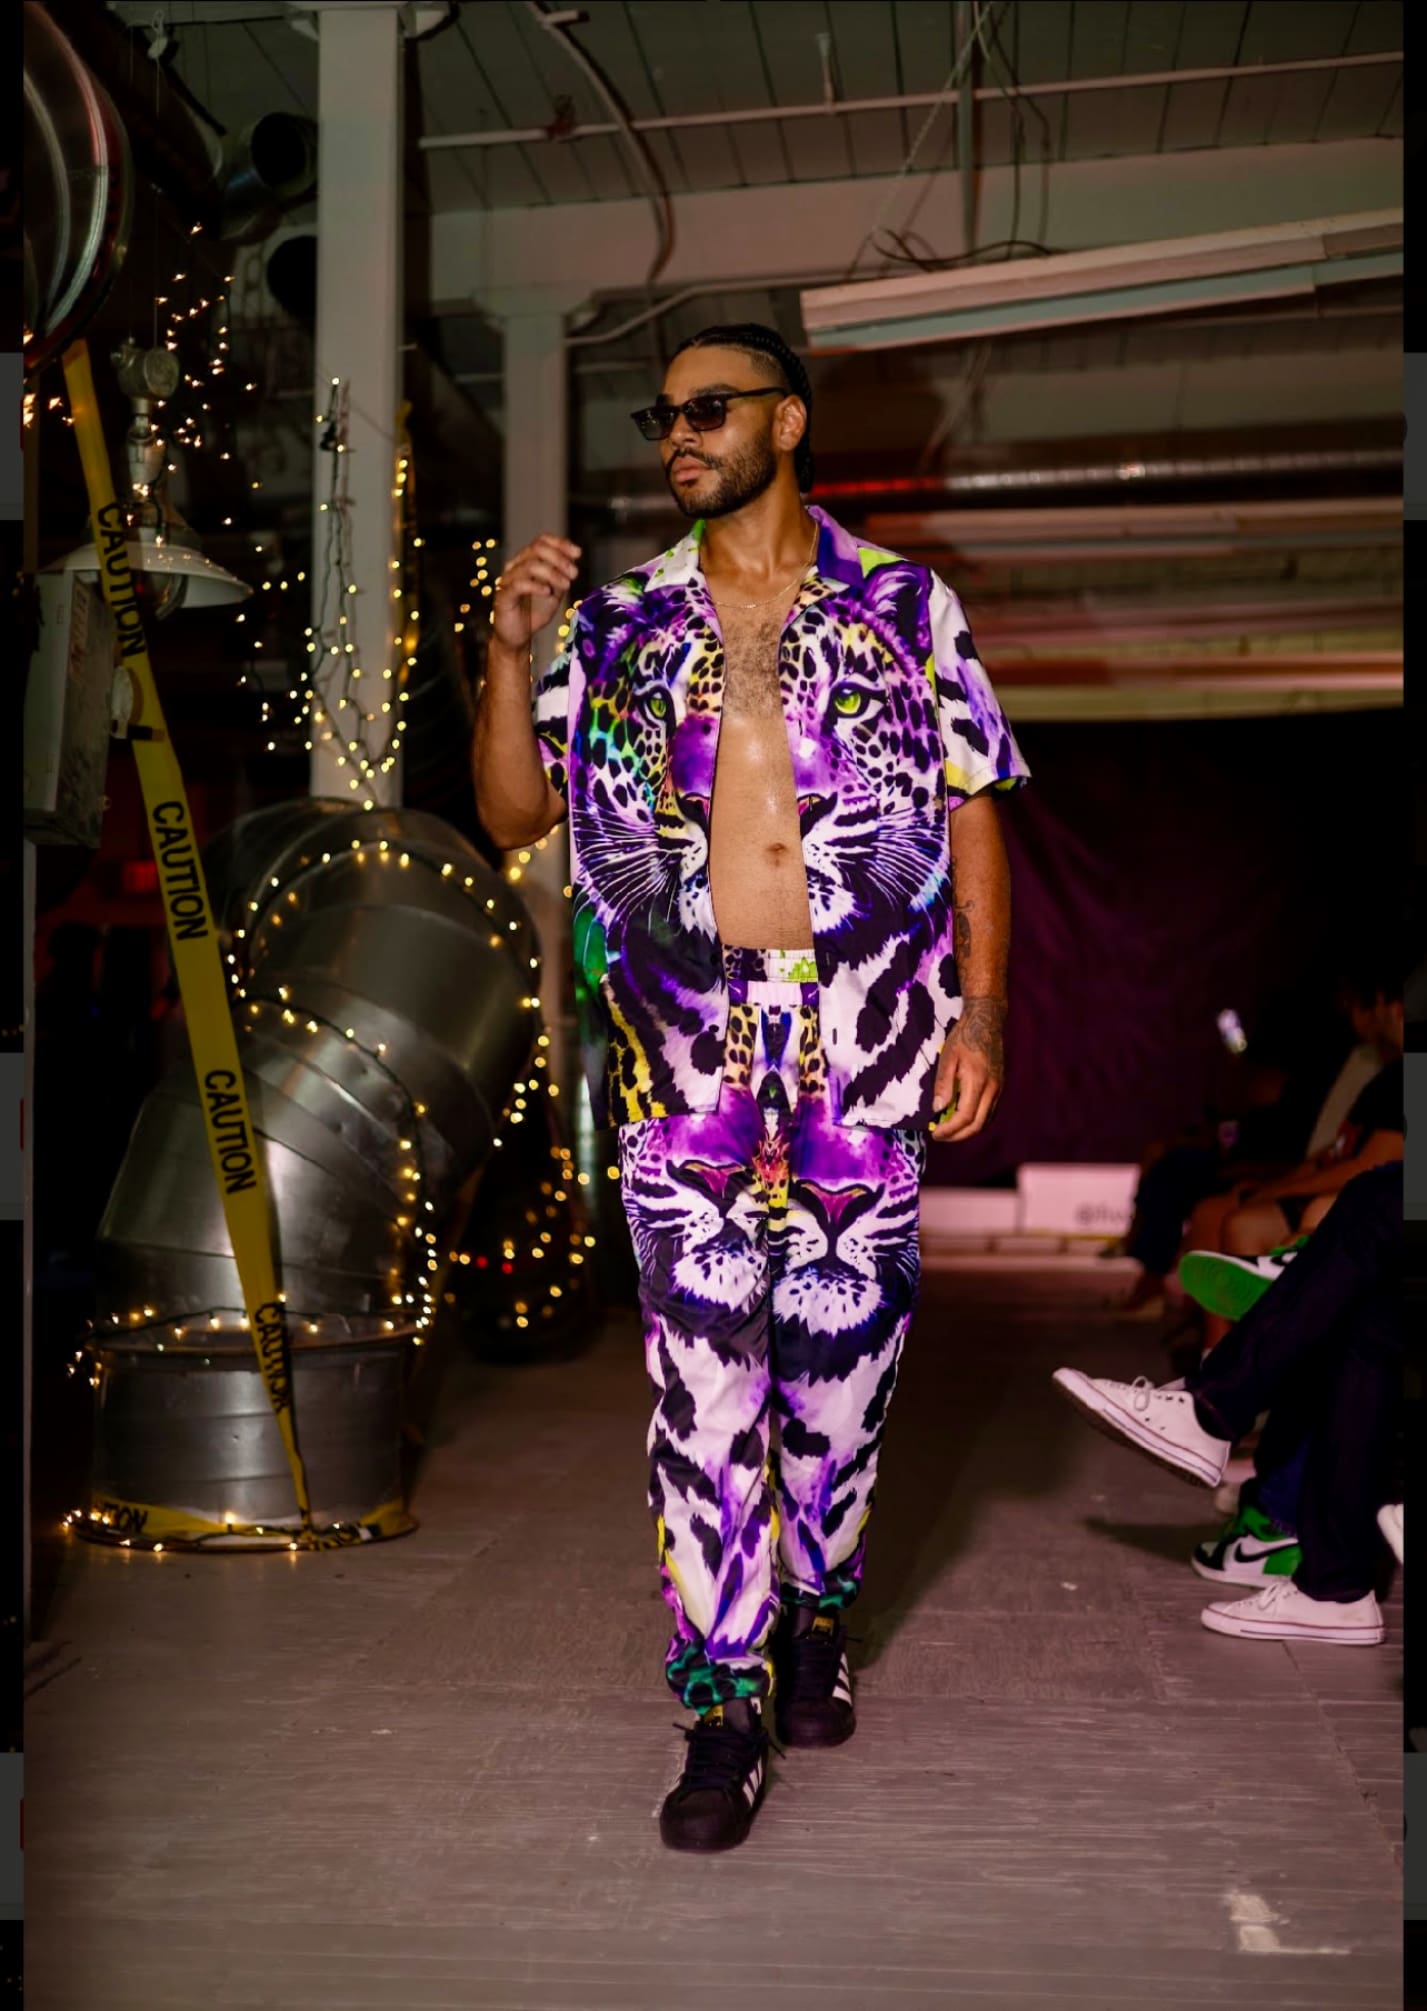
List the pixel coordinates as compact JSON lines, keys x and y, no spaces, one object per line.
{"x":1161,"y":874}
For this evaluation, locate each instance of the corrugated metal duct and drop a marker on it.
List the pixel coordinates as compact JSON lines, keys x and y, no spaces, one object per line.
{"x":388,"y":1014}
{"x":384,"y":965}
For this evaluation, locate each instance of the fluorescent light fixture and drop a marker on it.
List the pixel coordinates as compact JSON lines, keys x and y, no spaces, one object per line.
{"x":1110,"y":283}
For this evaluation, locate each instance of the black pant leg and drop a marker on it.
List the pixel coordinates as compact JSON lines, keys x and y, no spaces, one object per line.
{"x":1347,"y":1477}
{"x":1168,"y":1194}
{"x":1351,"y":1256}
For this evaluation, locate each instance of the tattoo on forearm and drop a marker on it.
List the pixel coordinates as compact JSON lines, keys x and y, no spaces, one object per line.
{"x":961,"y":932}
{"x":982,"y":1028}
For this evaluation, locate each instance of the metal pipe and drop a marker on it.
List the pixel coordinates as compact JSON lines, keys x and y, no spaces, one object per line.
{"x":236,"y":190}
{"x":966,"y":125}
{"x":905,"y":101}
{"x":914,"y":490}
{"x":79,"y":180}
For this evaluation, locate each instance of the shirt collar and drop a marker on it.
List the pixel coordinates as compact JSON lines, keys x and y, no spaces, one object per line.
{"x":837,"y":563}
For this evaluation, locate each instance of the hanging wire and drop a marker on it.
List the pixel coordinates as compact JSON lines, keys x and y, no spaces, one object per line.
{"x":954,"y":80}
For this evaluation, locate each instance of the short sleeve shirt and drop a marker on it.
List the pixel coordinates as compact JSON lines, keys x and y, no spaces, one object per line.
{"x":1380,"y":1106}
{"x":892,"y":724}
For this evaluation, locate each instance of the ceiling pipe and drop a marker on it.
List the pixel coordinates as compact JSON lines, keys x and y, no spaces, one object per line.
{"x":1031,"y":482}
{"x":903,"y":101}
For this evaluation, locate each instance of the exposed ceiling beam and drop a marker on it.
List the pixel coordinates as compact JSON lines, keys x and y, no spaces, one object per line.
{"x":581,"y":251}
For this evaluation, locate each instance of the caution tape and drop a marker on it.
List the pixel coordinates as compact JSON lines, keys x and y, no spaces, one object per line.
{"x":232,"y":1141}
{"x":140,"y":1525}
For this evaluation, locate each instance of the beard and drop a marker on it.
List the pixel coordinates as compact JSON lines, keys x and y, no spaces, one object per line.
{"x":730,"y":484}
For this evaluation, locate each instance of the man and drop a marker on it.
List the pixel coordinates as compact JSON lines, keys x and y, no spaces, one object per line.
{"x":759,"y":735}
{"x":1321,"y":1349}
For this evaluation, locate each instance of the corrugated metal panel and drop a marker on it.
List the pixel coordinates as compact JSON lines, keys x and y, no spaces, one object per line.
{"x":679,"y":68}
{"x":506,"y":90}
{"x":494,"y":69}
{"x":865,"y":64}
{"x":1357,"y":102}
{"x":787,"y":33}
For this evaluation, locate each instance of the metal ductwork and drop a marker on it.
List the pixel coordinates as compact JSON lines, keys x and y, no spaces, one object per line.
{"x":236,"y":186}
{"x":1134,"y":473}
{"x":79,"y":191}
{"x":389,"y":1015}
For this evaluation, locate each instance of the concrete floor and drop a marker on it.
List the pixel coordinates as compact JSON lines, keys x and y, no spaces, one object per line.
{"x":426,"y":1775}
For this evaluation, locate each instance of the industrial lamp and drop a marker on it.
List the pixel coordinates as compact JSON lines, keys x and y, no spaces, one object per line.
{"x":171,"y":570}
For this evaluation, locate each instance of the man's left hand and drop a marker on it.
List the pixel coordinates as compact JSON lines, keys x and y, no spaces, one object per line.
{"x":971,"y":1071}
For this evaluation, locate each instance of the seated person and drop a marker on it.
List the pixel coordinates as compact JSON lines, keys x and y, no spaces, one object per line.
{"x":1267,"y":1139}
{"x":1322,"y":1350}
{"x":1253,"y":1220}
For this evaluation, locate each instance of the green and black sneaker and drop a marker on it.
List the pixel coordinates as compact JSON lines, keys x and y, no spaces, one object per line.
{"x":1228,"y":1285}
{"x":1250,"y":1549}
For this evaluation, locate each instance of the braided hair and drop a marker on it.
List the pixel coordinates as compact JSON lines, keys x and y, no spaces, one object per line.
{"x":776,"y":363}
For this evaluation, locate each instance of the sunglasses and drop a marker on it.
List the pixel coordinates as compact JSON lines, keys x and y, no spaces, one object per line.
{"x":704,"y":413}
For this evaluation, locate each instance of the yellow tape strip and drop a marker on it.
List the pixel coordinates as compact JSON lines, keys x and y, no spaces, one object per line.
{"x":144,"y":1525}
{"x":237,"y":1157}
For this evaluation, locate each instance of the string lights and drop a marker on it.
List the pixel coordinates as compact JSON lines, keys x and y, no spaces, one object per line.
{"x":267,"y":911}
{"x":336,"y":710}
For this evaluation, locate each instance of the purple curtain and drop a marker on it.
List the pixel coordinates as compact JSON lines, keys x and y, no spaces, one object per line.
{"x":1164,"y":872}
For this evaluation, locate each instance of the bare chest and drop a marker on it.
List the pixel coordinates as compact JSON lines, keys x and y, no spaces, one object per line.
{"x":750,"y":646}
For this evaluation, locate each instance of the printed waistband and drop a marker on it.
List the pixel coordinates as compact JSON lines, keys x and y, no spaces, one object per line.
{"x":770,"y":977}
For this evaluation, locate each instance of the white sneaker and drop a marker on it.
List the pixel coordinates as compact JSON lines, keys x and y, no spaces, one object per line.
{"x":1158,"y":1422}
{"x":1282,"y":1613}
{"x":1389,"y":1521}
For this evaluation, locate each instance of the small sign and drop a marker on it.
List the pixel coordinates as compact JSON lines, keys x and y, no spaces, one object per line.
{"x":1093,"y":1201}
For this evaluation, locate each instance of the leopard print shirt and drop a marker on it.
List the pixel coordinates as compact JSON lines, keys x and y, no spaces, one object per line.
{"x":892,"y":723}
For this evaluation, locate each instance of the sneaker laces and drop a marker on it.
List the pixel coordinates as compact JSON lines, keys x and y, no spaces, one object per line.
{"x":719,"y":1756}
{"x":1272,"y":1593}
{"x":1141,"y":1390}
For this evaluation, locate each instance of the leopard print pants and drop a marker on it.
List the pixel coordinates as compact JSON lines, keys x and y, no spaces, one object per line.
{"x":778,"y":1266}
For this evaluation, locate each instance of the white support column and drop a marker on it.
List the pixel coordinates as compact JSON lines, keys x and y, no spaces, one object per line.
{"x":537,"y":434}
{"x":358,"y":340}
{"x":31,"y":867}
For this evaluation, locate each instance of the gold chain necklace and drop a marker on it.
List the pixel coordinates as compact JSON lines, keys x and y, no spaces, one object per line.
{"x":744,"y":605}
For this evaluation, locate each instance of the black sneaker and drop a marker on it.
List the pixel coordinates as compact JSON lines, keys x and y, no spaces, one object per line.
{"x":723,"y":1782}
{"x":813,"y":1693}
